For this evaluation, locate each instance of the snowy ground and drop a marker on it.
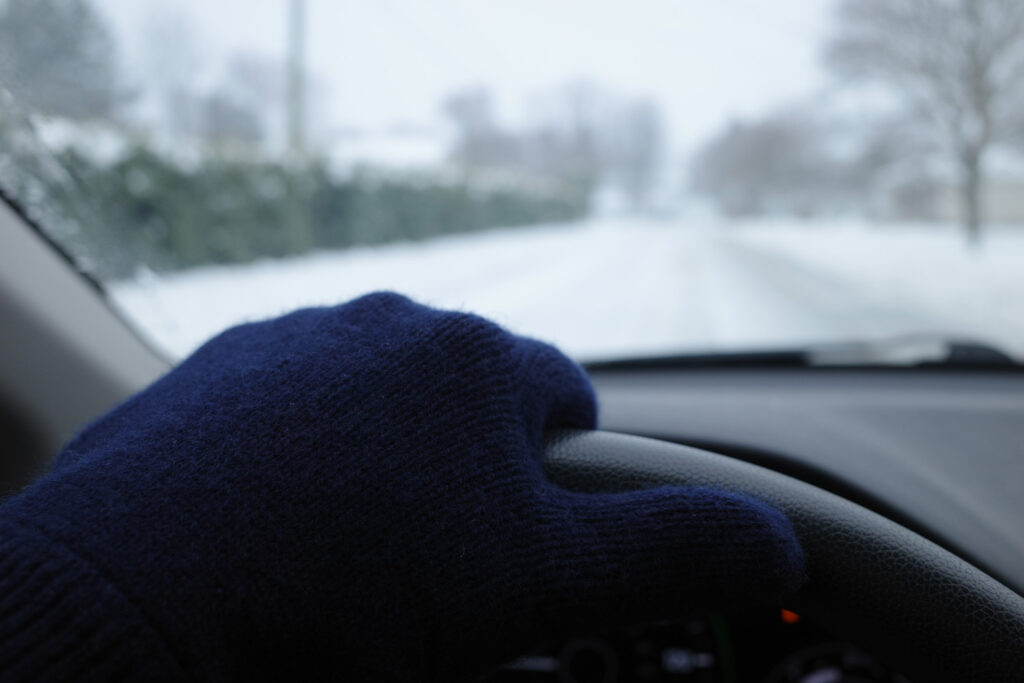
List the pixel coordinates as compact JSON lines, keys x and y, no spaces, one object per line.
{"x":618,"y":288}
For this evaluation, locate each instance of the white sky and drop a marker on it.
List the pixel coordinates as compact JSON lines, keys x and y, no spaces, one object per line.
{"x":382,"y":63}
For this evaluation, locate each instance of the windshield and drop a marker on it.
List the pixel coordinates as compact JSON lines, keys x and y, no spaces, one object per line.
{"x":622,"y":179}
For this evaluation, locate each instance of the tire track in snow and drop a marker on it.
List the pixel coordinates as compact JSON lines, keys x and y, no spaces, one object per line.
{"x":763,"y":297}
{"x":607,"y":289}
{"x":620,"y":290}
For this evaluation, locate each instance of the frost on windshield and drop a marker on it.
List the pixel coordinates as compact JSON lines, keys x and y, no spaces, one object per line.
{"x":56,"y":81}
{"x":803,"y":172}
{"x":31,"y":177}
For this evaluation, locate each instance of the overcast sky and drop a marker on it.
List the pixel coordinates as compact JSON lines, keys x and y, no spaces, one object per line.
{"x":382,"y":63}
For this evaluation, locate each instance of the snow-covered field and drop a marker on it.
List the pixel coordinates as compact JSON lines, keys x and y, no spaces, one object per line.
{"x":615,"y":287}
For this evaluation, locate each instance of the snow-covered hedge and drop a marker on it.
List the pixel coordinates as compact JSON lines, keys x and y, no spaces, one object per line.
{"x":145,"y":209}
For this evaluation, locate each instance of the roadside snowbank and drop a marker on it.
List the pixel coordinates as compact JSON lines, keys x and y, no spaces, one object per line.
{"x":613,"y":288}
{"x":977,"y":293}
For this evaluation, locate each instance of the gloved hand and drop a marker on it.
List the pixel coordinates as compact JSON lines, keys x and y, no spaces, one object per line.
{"x":352,"y":492}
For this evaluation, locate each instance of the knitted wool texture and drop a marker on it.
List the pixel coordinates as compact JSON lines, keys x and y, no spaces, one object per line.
{"x":352,"y":493}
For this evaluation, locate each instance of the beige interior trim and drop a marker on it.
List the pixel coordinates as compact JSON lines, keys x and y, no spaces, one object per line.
{"x":65,"y":356}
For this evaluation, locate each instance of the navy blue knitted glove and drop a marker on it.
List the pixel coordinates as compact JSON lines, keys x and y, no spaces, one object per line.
{"x":355,"y":493}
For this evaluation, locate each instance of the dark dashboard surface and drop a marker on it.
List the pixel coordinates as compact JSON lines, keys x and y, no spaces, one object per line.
{"x":939,"y":451}
{"x":763,"y":646}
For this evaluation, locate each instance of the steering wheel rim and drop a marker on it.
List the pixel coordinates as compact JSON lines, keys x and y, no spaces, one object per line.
{"x":932,"y":615}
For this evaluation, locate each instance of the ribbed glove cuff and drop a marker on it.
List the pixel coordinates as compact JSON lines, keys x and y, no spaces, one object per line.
{"x":57,"y":623}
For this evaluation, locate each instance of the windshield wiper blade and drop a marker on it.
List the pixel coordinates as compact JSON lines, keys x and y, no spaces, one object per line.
{"x":785,"y":358}
{"x":912,"y":350}
{"x":906,"y":351}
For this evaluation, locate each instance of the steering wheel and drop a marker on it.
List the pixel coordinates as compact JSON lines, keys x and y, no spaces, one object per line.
{"x":932,"y":615}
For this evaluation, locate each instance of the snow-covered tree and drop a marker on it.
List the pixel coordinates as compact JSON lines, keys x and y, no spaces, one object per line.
{"x":58,"y":57}
{"x":956,"y":65}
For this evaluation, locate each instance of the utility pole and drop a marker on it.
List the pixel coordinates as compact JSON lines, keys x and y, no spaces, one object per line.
{"x":296,"y":115}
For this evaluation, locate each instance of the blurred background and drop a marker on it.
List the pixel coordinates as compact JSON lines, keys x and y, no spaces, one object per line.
{"x":624,"y":179}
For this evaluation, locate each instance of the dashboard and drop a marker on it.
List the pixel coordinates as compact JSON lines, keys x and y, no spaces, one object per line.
{"x":767,"y":646}
{"x":939,"y":451}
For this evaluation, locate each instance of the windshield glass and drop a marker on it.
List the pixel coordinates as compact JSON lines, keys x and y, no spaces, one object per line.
{"x":623,"y":179}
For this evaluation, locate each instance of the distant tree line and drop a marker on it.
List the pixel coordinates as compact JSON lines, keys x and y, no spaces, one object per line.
{"x":59,"y":57}
{"x":779,"y":164}
{"x":805,"y":161}
{"x":953,"y":74}
{"x":233,"y":203}
{"x":580,"y":135}
{"x":956,"y":67}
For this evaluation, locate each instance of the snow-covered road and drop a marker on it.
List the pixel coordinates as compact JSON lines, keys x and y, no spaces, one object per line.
{"x":615,"y":288}
{"x":778,"y":294}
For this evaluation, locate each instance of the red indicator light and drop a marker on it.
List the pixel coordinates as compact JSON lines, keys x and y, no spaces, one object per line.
{"x":790,"y":617}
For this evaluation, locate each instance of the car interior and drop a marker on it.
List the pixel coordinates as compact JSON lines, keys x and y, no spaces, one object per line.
{"x":901,"y":486}
{"x":899,"y":458}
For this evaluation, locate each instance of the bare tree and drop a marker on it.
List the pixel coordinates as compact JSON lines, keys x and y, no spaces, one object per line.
{"x":259,"y":83}
{"x":256,"y":79}
{"x":471,"y":110}
{"x":564,"y":139}
{"x":172,"y":58}
{"x":635,"y":142}
{"x":957,"y":65}
{"x":59,"y":57}
{"x":227,"y":123}
{"x":580,"y":136}
{"x":779,"y":164}
{"x":611,"y":139}
{"x":480,"y":142}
